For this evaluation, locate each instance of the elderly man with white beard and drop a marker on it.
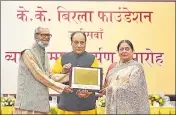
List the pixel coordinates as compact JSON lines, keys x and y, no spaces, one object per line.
{"x":34,"y":77}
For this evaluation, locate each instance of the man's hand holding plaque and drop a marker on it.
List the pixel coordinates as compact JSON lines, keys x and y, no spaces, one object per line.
{"x":83,"y":93}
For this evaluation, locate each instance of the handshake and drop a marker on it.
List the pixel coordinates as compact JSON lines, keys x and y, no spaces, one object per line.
{"x":64,"y":77}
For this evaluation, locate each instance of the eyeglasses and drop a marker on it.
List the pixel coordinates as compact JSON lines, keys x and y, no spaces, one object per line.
{"x":45,"y":35}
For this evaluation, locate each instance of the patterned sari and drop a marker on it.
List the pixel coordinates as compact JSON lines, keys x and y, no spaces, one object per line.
{"x":126,"y":91}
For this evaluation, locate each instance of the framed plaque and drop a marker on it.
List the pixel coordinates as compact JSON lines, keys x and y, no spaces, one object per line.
{"x":86,"y":78}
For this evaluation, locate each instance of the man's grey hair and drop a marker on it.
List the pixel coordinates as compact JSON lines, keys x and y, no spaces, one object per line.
{"x":38,"y":30}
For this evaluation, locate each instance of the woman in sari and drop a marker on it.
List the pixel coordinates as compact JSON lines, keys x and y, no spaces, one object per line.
{"x":126,"y":87}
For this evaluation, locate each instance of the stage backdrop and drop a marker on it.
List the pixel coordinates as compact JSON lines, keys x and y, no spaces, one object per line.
{"x":149,"y":25}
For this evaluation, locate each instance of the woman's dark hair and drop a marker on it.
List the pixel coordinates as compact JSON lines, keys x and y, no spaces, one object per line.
{"x":83,"y":33}
{"x":125,"y":41}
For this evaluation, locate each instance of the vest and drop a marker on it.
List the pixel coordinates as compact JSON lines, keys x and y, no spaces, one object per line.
{"x":71,"y":102}
{"x":32,"y":94}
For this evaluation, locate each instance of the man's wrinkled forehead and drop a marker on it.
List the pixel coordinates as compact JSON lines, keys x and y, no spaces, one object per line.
{"x":45,"y":31}
{"x":42,"y":30}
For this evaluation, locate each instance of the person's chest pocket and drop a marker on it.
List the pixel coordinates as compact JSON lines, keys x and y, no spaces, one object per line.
{"x":83,"y":63}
